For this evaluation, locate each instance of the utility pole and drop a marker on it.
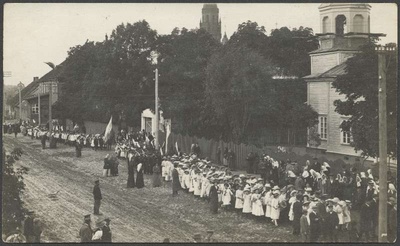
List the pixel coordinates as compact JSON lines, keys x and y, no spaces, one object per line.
{"x":382,"y":93}
{"x":156,"y":139}
{"x":50,"y":104}
{"x":39,"y":89}
{"x":20,"y":87}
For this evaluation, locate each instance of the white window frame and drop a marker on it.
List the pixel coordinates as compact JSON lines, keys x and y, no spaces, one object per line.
{"x":323,"y":127}
{"x":35,"y":109}
{"x":345,"y":136}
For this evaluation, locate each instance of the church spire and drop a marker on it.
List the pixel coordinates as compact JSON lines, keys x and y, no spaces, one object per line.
{"x":210,"y":20}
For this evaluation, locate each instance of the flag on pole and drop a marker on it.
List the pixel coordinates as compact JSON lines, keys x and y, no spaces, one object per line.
{"x":107,"y":134}
{"x":177,"y":148}
{"x":161,"y":151}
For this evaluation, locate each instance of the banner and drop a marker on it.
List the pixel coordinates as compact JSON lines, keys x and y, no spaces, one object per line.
{"x":167,"y":124}
{"x":107,"y":134}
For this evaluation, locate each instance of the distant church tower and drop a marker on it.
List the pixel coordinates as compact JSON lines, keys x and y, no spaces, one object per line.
{"x":345,"y":27}
{"x":210,"y":20}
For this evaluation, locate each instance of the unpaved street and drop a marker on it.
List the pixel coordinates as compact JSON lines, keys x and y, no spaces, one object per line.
{"x":137,"y":215}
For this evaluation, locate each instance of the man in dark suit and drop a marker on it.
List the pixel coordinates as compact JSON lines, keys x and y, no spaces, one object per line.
{"x":373,"y":213}
{"x":331,"y":224}
{"x":297,"y":212}
{"x":85,"y":233}
{"x":315,"y":225}
{"x":97,"y":197}
{"x":106,"y":231}
{"x":176,"y":185}
{"x":28,"y":228}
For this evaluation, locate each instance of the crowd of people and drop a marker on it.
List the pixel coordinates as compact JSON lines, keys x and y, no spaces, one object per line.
{"x":319,"y":204}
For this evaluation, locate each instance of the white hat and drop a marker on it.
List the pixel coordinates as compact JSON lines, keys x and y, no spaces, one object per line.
{"x":291,"y":174}
{"x":305,"y":174}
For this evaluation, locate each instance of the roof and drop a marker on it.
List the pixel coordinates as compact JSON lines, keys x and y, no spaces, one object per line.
{"x":334,"y":72}
{"x":53,"y":74}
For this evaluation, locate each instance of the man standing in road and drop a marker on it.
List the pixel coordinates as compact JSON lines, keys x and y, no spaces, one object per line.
{"x":85,"y":233}
{"x":176,"y":185}
{"x":29,"y":233}
{"x":97,"y":197}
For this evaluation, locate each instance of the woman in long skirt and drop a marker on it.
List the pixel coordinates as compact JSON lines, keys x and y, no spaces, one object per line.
{"x":131,"y":172}
{"x":139,"y":176}
{"x":157,"y":176}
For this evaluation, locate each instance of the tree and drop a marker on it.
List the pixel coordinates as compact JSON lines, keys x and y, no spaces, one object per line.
{"x":360,"y":87}
{"x":184,"y":56}
{"x":12,"y":188}
{"x":237,"y":88}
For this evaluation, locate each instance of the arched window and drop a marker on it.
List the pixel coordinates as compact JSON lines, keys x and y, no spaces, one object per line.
{"x":326,"y":25}
{"x":358,"y":23}
{"x":340,"y":24}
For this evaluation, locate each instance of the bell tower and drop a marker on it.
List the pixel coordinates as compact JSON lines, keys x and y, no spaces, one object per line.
{"x":210,"y":20}
{"x":344,"y":28}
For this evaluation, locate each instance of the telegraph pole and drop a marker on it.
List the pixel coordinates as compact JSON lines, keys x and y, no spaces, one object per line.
{"x":20,"y":87}
{"x":382,"y":93}
{"x":39,"y":120}
{"x":156,"y":140}
{"x":50,"y":102}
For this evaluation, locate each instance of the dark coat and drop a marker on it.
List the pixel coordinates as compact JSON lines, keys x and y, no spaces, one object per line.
{"x":28,"y":227}
{"x":213,"y":199}
{"x":331,"y":221}
{"x":106,"y":234}
{"x":176,"y":185}
{"x":131,"y":174}
{"x":315,"y":226}
{"x":156,"y":176}
{"x":97,"y":192}
{"x":85,"y":233}
{"x":139,"y":179}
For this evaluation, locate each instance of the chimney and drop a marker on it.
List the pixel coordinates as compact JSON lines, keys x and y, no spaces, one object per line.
{"x":35,"y":79}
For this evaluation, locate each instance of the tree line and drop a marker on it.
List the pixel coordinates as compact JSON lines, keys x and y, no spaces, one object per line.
{"x":208,"y":89}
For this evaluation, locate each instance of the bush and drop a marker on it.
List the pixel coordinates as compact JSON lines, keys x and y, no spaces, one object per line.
{"x":13,"y":185}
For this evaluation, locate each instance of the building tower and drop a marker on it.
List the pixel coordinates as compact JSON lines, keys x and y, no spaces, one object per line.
{"x":210,"y":20}
{"x":345,"y":27}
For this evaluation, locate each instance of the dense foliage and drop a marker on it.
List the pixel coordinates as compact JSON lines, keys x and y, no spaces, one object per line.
{"x":12,"y":188}
{"x":360,"y":86}
{"x":206,"y":88}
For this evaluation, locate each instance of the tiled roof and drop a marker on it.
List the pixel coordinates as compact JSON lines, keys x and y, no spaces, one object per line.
{"x":338,"y":70}
{"x":25,"y":93}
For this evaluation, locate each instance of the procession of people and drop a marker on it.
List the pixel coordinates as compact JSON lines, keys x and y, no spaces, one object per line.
{"x":318,"y":204}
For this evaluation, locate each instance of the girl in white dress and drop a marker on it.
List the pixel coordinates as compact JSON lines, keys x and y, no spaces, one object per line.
{"x":257,"y":209}
{"x":292,"y":200}
{"x":246,"y":202}
{"x":275,"y":208}
{"x":339,"y":210}
{"x":204,"y":184}
{"x":221,"y":189}
{"x":239,"y":199}
{"x":227,"y":196}
{"x":192,"y":177}
{"x":197,"y":184}
{"x":267,"y":201}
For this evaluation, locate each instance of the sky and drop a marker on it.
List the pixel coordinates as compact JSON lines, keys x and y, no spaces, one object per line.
{"x":35,"y":33}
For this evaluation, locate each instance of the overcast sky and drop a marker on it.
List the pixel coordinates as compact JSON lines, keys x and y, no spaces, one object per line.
{"x":35,"y":33}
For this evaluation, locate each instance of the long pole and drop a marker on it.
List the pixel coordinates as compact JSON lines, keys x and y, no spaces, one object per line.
{"x":20,"y":103}
{"x":50,"y":104}
{"x":382,"y":227}
{"x":156,"y":111}
{"x":39,"y":120}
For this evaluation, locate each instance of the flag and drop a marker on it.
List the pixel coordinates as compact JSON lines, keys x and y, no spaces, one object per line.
{"x":176,"y":146}
{"x":167,"y":125}
{"x":107,"y":133}
{"x":161,"y":151}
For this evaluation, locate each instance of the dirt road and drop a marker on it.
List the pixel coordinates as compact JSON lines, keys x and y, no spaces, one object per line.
{"x":137,"y":215}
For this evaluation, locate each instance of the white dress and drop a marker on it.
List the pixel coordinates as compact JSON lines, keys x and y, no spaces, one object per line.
{"x":267,"y":200}
{"x":346,"y":215}
{"x":292,"y":200}
{"x":246,"y":203}
{"x":221,"y":189}
{"x":257,"y":208}
{"x":275,"y":209}
{"x":197,"y":185}
{"x":204,"y":184}
{"x":227,"y":197}
{"x":186,"y":179}
{"x":191,"y":180}
{"x":239,"y":199}
{"x":338,"y":209}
